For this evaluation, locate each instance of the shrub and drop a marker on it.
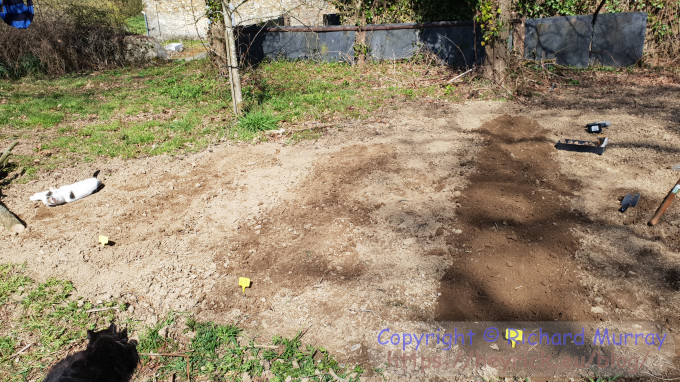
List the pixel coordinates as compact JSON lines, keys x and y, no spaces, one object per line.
{"x":65,"y":36}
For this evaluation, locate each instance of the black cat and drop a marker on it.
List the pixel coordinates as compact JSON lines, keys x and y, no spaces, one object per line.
{"x":109,"y":357}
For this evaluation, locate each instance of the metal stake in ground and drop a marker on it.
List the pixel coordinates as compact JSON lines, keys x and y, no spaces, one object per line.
{"x":666,"y":202}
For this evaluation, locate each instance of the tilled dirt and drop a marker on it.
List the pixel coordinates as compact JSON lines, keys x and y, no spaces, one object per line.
{"x":517,"y":220}
{"x":430,"y":212}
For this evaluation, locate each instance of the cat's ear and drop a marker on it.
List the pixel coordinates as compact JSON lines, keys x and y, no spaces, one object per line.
{"x":49,"y":193}
{"x":112,"y":328}
{"x":91,"y":335}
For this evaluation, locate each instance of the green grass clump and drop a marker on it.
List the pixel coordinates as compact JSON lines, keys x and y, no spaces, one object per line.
{"x":256,"y":121}
{"x":136,"y":24}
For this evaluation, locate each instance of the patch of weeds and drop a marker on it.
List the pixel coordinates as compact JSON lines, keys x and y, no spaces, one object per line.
{"x":7,"y":346}
{"x":40,"y":108}
{"x":43,"y":315}
{"x":150,"y":341}
{"x":171,"y":145}
{"x":53,"y":322}
{"x":21,"y":168}
{"x":11,"y":279}
{"x":219,"y":355}
{"x":409,"y":93}
{"x":603,"y":379}
{"x":136,"y":24}
{"x":295,"y":91}
{"x":603,"y":68}
{"x":258,"y":120}
{"x":188,"y":44}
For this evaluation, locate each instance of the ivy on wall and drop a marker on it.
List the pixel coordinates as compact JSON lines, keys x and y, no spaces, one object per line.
{"x":488,"y":18}
{"x":213,"y":10}
{"x":362,"y":12}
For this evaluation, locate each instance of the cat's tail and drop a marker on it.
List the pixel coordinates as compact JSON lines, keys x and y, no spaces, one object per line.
{"x":38,"y":196}
{"x":96,"y":174}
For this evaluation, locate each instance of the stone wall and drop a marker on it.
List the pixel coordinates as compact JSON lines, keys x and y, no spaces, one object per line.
{"x":171,"y":19}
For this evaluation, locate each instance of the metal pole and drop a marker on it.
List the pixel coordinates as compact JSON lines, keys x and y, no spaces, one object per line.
{"x":146,"y":24}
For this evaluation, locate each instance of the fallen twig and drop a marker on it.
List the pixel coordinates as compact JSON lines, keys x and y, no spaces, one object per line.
{"x":182,"y":354}
{"x":309,"y":128}
{"x":460,"y":75}
{"x":102,"y":309}
{"x":21,"y":351}
{"x":363,"y":311}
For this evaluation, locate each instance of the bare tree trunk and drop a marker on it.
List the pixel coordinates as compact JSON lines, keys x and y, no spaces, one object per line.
{"x":232,"y":59}
{"x":497,"y":51}
{"x":218,"y":45}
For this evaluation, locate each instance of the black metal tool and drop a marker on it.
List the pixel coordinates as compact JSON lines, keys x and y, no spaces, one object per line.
{"x":629,"y":201}
{"x":596,"y":147}
{"x":596,"y":127}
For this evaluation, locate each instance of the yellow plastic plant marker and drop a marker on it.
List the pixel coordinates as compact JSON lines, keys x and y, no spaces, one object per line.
{"x":512,"y":335}
{"x":244,"y":283}
{"x":103,"y":240}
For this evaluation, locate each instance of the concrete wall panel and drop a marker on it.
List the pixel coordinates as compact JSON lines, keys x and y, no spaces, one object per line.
{"x":326,"y":46}
{"x":565,"y":39}
{"x":617,"y":39}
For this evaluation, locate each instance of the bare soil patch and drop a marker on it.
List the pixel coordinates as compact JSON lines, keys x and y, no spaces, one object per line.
{"x":514,"y":259}
{"x":431,"y":211}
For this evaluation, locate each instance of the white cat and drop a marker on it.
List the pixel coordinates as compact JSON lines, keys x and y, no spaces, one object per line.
{"x":68,"y":193}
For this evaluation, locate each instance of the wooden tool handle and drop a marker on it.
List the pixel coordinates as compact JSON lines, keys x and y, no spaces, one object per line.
{"x":664,"y":205}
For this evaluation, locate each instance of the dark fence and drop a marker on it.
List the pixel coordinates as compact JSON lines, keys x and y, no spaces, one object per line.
{"x":453,"y":42}
{"x":615,"y":39}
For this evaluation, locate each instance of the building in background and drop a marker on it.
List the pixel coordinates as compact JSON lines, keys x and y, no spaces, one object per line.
{"x":185,"y":19}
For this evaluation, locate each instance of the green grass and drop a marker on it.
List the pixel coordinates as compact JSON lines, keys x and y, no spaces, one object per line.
{"x":136,"y":24}
{"x":256,"y":121}
{"x":185,"y":106}
{"x":44,"y":315}
{"x":54,"y":321}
